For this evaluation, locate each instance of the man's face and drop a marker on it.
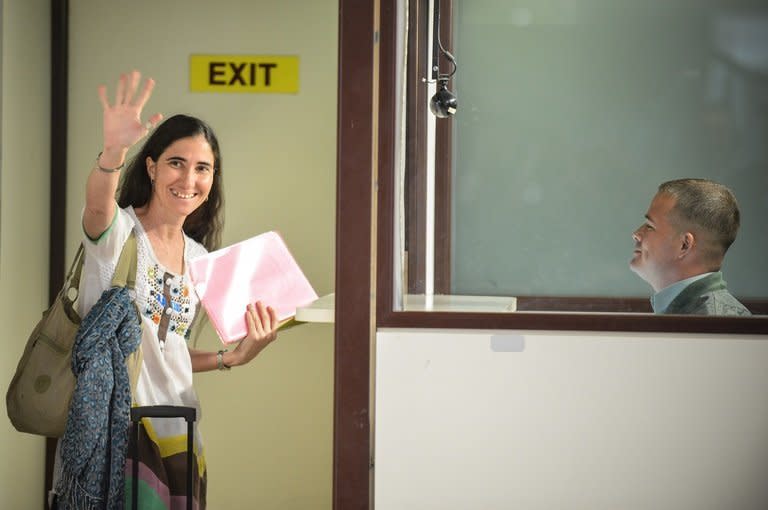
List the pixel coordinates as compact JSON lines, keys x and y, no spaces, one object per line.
{"x":657,"y":244}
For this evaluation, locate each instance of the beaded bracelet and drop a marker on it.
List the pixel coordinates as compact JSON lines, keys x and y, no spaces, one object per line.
{"x":108,"y":170}
{"x":220,"y":361}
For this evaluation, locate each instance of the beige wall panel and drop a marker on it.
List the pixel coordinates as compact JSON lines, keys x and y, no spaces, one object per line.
{"x":24,"y":225}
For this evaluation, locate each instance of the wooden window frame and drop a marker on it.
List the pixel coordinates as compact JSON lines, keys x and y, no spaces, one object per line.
{"x":415,"y":187}
{"x":361,"y":247}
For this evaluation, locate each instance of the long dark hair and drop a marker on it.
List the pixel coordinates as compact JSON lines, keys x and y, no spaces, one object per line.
{"x":205,"y":223}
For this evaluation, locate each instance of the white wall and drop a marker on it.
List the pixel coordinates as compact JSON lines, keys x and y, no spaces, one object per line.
{"x":268,"y":426}
{"x":592,"y":421}
{"x":23,"y":225}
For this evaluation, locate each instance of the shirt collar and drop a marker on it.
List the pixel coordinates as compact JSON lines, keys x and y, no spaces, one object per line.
{"x":662,"y":299}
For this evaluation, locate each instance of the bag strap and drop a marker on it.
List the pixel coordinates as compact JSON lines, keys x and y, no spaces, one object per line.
{"x":77,"y":267}
{"x":72,"y":281}
{"x":125,"y":271}
{"x":124,"y":276}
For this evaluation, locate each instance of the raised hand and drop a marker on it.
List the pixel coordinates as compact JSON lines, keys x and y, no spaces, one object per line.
{"x":123,"y":126}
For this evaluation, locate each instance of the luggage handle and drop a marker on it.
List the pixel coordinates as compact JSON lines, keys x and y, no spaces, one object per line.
{"x":188,"y":413}
{"x":137,"y":413}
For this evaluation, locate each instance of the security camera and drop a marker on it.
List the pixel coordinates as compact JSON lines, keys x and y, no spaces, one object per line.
{"x":443,"y":104}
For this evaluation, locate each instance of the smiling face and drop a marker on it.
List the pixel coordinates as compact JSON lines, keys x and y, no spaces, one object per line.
{"x":659,"y":245}
{"x":183,"y":175}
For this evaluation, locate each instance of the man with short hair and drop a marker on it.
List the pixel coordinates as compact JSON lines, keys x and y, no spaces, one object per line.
{"x":679,"y":250}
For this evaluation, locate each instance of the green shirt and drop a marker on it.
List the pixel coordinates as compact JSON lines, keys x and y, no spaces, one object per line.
{"x":706,"y":296}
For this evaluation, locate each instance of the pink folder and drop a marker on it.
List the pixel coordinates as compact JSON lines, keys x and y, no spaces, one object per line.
{"x":258,"y":269}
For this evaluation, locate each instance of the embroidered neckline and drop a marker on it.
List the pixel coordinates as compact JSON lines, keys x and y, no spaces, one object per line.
{"x":148,"y":244}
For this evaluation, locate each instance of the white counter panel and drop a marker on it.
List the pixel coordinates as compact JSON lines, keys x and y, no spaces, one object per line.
{"x":487,"y":420}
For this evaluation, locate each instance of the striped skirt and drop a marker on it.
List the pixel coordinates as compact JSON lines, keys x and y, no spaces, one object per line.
{"x":162,"y":459}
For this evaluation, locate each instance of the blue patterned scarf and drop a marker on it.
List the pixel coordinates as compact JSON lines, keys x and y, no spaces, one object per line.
{"x":95,"y":439}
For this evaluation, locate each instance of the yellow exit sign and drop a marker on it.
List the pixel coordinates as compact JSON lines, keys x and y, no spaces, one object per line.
{"x":244,"y":73}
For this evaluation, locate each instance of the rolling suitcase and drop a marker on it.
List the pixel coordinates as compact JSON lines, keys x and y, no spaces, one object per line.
{"x":137,"y":413}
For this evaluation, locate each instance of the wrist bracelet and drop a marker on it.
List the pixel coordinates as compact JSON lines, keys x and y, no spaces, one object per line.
{"x":108,"y":170}
{"x":220,"y":360}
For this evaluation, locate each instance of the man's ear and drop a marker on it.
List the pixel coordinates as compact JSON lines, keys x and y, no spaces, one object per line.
{"x":688,"y":243}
